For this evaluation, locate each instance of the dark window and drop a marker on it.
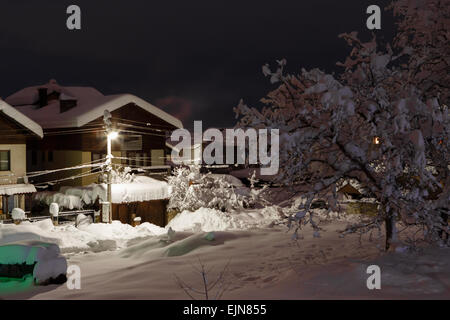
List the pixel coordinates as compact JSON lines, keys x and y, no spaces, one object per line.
{"x":131,"y":158}
{"x":43,"y":156}
{"x":50,"y":156}
{"x":33,"y":157}
{"x":95,"y":158}
{"x":5,"y":160}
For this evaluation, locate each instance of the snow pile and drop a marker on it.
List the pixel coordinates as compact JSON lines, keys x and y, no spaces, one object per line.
{"x":205,"y":219}
{"x":46,"y":257}
{"x":85,"y":237}
{"x":299,"y":202}
{"x":18,"y":214}
{"x":83,"y":220}
{"x":63,"y":200}
{"x":142,"y":188}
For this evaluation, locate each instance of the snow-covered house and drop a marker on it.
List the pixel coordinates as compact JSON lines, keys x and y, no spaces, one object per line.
{"x":17,"y":130}
{"x":137,"y":196}
{"x":74,"y":133}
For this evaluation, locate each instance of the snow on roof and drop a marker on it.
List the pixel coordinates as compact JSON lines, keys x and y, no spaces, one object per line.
{"x":91,"y":105}
{"x":142,"y":188}
{"x":20,"y":118}
{"x":11,"y":189}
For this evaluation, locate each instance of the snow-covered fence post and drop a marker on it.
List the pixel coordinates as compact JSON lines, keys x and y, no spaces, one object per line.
{"x":18,"y":215}
{"x":54,"y":211}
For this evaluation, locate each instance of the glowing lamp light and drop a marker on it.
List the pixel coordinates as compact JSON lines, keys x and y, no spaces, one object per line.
{"x":113,"y":135}
{"x":376,"y":140}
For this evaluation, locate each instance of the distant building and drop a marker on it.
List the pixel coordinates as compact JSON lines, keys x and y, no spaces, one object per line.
{"x":16,"y":131}
{"x":196,"y":157}
{"x":74,"y":132}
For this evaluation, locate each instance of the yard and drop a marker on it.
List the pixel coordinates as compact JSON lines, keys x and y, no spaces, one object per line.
{"x":252,"y":250}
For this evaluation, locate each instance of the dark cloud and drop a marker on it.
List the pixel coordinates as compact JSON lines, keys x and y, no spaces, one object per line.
{"x":207,"y":54}
{"x":178,"y":107}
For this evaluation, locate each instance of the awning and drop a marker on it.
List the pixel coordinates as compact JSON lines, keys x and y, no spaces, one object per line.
{"x":11,"y":189}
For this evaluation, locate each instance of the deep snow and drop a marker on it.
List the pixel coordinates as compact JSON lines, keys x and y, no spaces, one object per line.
{"x":263,"y":262}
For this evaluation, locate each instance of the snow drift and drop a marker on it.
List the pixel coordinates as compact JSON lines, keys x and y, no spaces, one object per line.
{"x":85,"y":237}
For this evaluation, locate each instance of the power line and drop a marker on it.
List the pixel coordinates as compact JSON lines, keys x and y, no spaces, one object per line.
{"x":145,"y":123}
{"x":82,"y":175}
{"x":34,"y":174}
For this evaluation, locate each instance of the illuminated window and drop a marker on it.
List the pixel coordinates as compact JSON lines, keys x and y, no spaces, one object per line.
{"x":5,"y":160}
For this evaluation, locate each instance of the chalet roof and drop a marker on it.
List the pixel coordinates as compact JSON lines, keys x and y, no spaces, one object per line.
{"x":349,"y":189}
{"x":91,"y":105}
{"x":11,"y":189}
{"x":19,"y":117}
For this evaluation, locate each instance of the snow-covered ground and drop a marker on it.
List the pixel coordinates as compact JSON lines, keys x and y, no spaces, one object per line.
{"x":263,"y":262}
{"x":72,"y":239}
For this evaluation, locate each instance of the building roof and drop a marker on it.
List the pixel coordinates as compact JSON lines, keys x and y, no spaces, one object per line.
{"x":20,"y":118}
{"x":11,"y":189}
{"x":91,"y":105}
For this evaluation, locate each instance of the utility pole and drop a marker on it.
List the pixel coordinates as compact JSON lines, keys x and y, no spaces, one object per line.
{"x":111,"y":135}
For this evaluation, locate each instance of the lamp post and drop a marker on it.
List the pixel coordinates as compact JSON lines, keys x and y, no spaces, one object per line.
{"x":110,"y":136}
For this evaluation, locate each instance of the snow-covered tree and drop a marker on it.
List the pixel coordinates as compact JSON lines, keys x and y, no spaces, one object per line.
{"x":191,"y":190}
{"x":381,"y":122}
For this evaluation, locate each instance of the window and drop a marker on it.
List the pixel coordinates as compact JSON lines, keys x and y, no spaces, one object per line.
{"x":5,"y":160}
{"x":50,"y":156}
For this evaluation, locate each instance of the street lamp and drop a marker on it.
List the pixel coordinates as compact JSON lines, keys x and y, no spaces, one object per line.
{"x":110,"y":136}
{"x":113,"y":135}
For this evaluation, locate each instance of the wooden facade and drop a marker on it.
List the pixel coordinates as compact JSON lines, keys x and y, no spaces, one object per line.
{"x":125,"y":119}
{"x":153,"y":211}
{"x":13,"y":139}
{"x":12,"y":132}
{"x":89,"y":143}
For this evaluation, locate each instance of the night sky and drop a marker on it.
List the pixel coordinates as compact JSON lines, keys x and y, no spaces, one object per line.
{"x":194,"y":59}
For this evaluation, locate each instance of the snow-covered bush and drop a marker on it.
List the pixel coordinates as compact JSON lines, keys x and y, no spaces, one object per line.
{"x":191,"y":190}
{"x":18,"y":214}
{"x":119,"y":175}
{"x":384,"y":121}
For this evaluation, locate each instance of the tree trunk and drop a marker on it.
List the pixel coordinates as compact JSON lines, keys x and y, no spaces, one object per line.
{"x":389,"y":231}
{"x":443,"y":234}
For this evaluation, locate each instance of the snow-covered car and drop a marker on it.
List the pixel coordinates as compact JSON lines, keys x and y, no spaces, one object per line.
{"x":41,"y":260}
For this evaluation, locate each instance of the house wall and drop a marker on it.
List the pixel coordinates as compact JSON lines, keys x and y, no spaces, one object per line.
{"x":86,"y":158}
{"x":17,"y":163}
{"x":61,"y":159}
{"x":83,"y":146}
{"x":72,"y":158}
{"x":157,"y":157}
{"x":153,"y":211}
